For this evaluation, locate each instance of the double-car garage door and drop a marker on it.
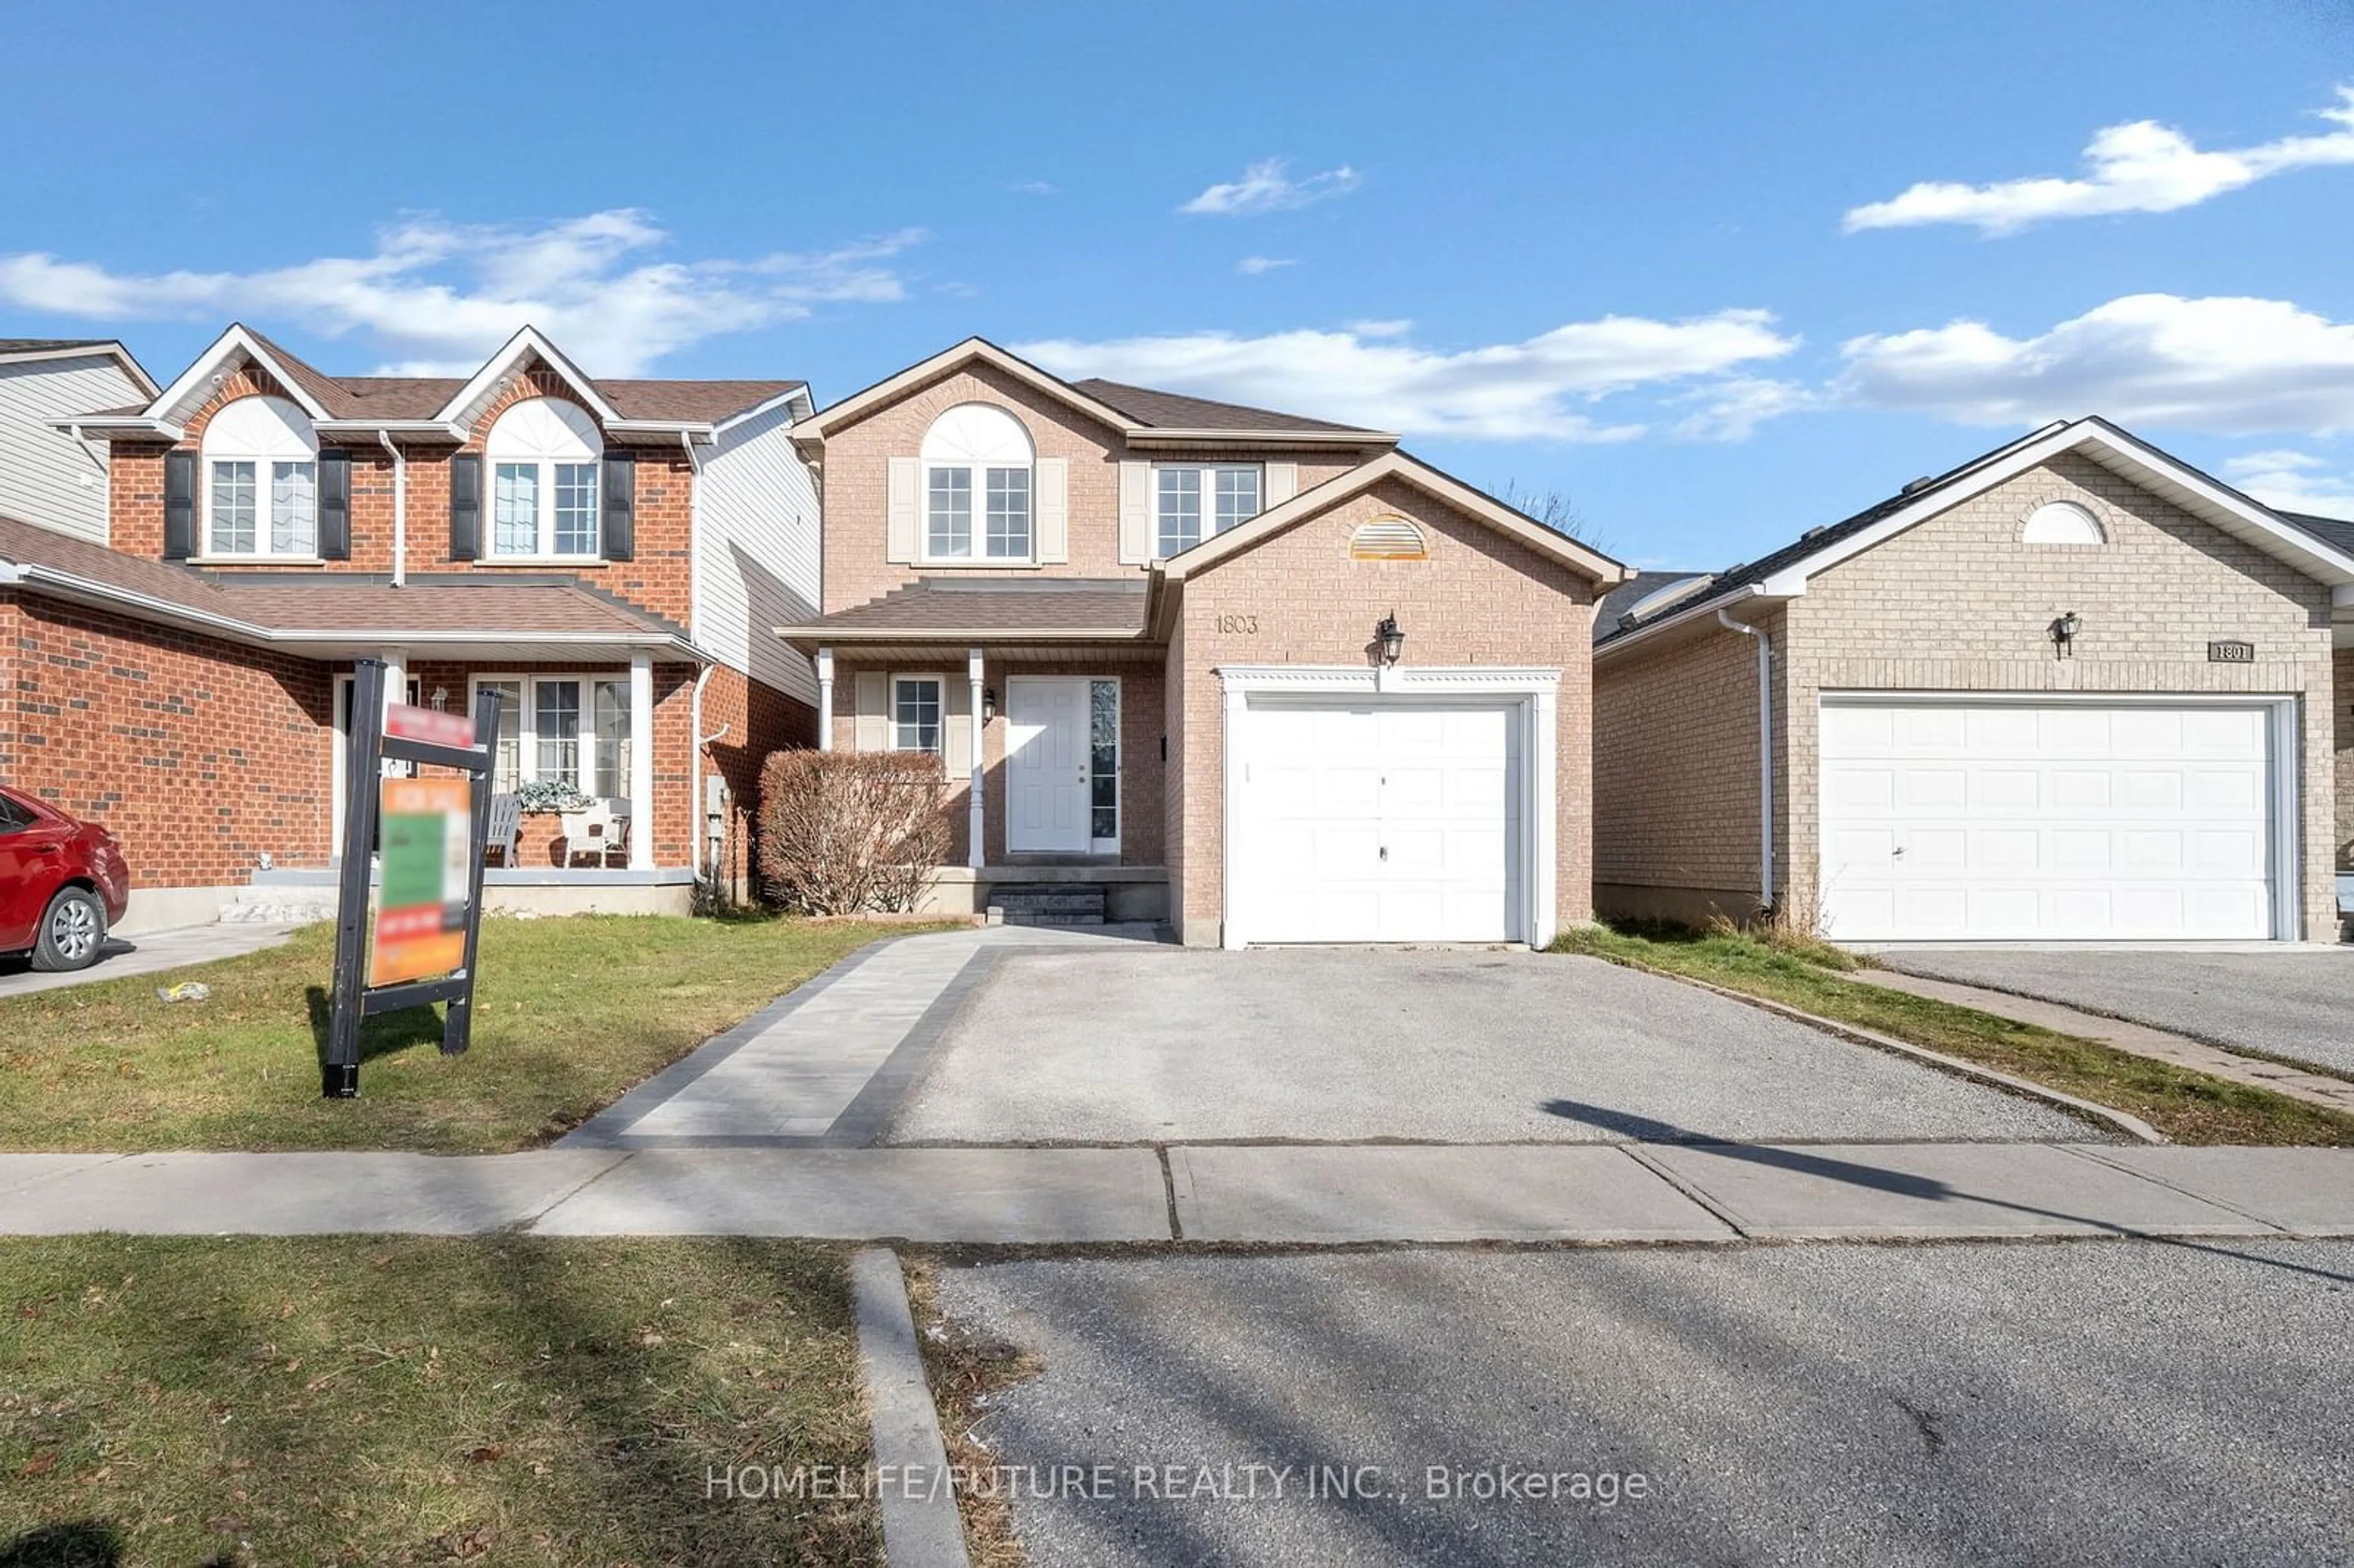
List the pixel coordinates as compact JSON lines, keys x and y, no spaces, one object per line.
{"x":1984,"y":819}
{"x":1376,"y":820}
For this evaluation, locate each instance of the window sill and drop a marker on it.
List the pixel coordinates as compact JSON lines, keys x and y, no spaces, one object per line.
{"x":259,"y":561}
{"x":967,"y":565}
{"x":542,"y":563}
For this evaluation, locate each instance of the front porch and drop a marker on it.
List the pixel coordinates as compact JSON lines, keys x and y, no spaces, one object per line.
{"x":309,"y":893}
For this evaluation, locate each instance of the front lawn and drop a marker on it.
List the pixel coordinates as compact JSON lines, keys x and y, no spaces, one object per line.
{"x":569,"y":1014}
{"x":2186,"y":1105}
{"x":503,"y":1400}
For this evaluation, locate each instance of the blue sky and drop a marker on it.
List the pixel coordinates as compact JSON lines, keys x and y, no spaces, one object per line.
{"x":1675,"y":262}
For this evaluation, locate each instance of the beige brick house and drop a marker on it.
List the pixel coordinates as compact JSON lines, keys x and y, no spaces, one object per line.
{"x":2073,"y":689}
{"x":1146,"y":634}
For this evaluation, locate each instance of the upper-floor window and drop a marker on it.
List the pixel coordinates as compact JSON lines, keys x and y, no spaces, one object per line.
{"x":262,"y":481}
{"x":543,"y":460}
{"x":1193,"y":500}
{"x":978,"y":461}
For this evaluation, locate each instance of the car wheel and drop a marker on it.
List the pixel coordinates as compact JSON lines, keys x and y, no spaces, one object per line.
{"x":73,"y":931}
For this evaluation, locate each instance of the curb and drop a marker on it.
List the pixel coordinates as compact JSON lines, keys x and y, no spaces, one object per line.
{"x":920,"y":1525}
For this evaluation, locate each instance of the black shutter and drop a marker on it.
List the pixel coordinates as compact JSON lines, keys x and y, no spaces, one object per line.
{"x":179,"y":506}
{"x":620,"y":531}
{"x":465,"y":506}
{"x":334,"y":504}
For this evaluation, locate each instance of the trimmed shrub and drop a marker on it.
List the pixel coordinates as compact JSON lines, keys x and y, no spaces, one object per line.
{"x":843,"y":832}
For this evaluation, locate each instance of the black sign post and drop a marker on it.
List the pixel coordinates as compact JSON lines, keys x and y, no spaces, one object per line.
{"x":367,"y":748}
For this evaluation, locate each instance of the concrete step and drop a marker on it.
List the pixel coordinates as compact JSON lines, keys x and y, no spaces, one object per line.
{"x":279,"y":905}
{"x":1014,"y":917}
{"x":1048,"y":904}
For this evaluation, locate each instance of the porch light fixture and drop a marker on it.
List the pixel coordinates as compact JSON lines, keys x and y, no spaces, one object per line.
{"x":2063,"y":634}
{"x":987,"y":704}
{"x":1389,"y":638}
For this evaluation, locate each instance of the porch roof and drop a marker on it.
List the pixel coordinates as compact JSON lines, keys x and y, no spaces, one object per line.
{"x":986,"y":611}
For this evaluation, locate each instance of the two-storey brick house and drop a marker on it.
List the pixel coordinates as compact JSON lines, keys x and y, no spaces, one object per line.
{"x":1265,"y":676}
{"x":600,"y":552}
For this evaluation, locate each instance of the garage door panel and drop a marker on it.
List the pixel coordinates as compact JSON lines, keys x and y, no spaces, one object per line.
{"x":2131,"y":821}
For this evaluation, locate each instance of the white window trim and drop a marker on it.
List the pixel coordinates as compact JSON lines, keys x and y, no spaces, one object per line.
{"x":1120,"y":766}
{"x":891,"y":711}
{"x":339,"y":741}
{"x":543,"y":525}
{"x":526,"y":734}
{"x":1209,"y":472}
{"x":976,"y":476}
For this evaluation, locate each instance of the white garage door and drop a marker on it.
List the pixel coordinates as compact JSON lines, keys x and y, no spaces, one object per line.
{"x":1376,"y":821}
{"x":2041,"y":820}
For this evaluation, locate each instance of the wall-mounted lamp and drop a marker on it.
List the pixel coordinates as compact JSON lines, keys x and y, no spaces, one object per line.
{"x":441,"y":699}
{"x":2063,"y":634}
{"x":988,"y":703}
{"x":1389,"y":638}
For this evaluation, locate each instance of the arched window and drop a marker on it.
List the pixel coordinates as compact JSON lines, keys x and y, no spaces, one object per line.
{"x":977,"y":462}
{"x":2062,"y":522}
{"x":262,"y":481}
{"x":543,"y":455}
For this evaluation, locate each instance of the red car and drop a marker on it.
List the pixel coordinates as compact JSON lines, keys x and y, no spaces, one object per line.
{"x":62,"y":884}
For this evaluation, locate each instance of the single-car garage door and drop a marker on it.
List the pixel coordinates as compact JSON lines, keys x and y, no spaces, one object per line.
{"x":2026,"y":819}
{"x":1376,"y":820}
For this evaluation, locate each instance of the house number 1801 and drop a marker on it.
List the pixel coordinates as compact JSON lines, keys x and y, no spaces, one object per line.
{"x":1239,"y":625}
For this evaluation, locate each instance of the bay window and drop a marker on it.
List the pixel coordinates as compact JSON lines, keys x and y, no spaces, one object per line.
{"x":1195,"y":501}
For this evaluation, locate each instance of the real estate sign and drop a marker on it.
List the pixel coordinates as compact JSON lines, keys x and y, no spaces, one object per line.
{"x":426,"y":881}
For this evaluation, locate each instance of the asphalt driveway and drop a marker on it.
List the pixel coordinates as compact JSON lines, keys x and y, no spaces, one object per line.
{"x":1160,"y":1044}
{"x":2096,"y":1402}
{"x":2297,"y":1004}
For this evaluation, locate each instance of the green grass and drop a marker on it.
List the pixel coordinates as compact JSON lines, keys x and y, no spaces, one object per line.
{"x":2187,"y":1106}
{"x":346,"y":1401}
{"x":569,"y":1014}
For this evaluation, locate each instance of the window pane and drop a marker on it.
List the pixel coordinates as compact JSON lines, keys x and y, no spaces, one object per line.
{"x":556,"y":717}
{"x":1103,"y":757}
{"x":1237,"y":496}
{"x":514,"y":508}
{"x":294,"y":508}
{"x":1180,"y":509}
{"x":950,"y":515}
{"x":612,"y":720}
{"x":1009,"y":513}
{"x":576,"y":509}
{"x":506,"y":766}
{"x":916,"y":716}
{"x":233,"y":509}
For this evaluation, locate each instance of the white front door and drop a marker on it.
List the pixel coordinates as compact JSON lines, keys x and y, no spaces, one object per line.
{"x":1380,"y":820}
{"x":1046,"y":764}
{"x":1974,"y":820}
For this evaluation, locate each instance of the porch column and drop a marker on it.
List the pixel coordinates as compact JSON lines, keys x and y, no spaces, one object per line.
{"x":825,"y":699}
{"x":641,"y":760}
{"x":396,"y":690}
{"x":975,"y":832}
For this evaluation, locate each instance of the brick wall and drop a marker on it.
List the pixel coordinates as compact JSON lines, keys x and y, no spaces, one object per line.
{"x":1481,"y":598}
{"x":201,"y":756}
{"x":857,"y":464}
{"x":2342,"y":730}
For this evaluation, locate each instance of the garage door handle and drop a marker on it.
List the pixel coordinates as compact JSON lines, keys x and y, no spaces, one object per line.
{"x":1898,"y":852}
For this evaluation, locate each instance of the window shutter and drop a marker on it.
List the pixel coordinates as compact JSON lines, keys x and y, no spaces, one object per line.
{"x":465,"y":506}
{"x":872,"y":730}
{"x":618,"y":526}
{"x":179,"y":506}
{"x":1136,"y":529}
{"x":1053,"y":511}
{"x":334,"y":504}
{"x":956,"y":729}
{"x":899,"y":506}
{"x":1281,"y":484}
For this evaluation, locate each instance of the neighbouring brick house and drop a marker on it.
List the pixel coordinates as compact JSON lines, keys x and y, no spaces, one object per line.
{"x":605,"y":554}
{"x":2073,"y":689}
{"x":1144,"y":632}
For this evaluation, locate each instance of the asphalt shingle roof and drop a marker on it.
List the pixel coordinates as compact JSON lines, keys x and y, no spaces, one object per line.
{"x":1174,"y":410}
{"x":1114,"y":606}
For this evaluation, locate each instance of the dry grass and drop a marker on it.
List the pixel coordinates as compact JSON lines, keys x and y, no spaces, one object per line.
{"x":966,"y":1371}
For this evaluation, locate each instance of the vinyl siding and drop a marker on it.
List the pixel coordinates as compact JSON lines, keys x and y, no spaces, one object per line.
{"x":46,"y":476}
{"x":756,"y":553}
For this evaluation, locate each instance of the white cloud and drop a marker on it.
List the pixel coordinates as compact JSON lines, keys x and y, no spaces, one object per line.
{"x":2294,"y":482}
{"x":435,"y":298}
{"x":1539,"y":389}
{"x":2138,"y":167}
{"x":1035,"y":188}
{"x":1732,"y":408}
{"x":1258,"y":266}
{"x":2225,"y":364}
{"x":1266,"y":187}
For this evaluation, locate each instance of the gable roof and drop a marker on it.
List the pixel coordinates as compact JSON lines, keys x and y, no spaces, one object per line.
{"x":1141,"y":416}
{"x":32,"y":350}
{"x":1783,"y":573}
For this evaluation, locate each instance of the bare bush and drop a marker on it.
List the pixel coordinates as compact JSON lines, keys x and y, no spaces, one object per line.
{"x":843,"y":833}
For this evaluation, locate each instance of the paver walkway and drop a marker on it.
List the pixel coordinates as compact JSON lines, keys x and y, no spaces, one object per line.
{"x":2297,"y":1083}
{"x":149,"y":953}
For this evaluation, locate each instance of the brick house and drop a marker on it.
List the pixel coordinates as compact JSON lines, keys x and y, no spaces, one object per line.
{"x":1144,"y":633}
{"x":2073,"y":689}
{"x":596,"y":551}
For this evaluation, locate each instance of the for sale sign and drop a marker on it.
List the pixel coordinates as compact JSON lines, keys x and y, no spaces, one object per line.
{"x":420,"y":920}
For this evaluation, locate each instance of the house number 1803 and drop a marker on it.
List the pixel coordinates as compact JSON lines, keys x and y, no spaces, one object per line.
{"x":1239,"y":625}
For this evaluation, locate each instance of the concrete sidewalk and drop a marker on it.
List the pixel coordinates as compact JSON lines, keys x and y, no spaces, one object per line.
{"x":1258,"y":1194}
{"x":150,"y":952}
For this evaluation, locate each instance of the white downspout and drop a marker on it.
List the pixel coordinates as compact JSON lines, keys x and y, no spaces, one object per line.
{"x":1765,"y":758}
{"x":399,"y":509}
